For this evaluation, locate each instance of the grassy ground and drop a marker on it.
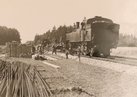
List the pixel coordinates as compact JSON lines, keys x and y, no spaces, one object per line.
{"x":91,"y":78}
{"x":104,"y":79}
{"x":125,"y":51}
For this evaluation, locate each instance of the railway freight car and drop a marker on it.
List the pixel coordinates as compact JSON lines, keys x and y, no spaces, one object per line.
{"x":96,"y":36}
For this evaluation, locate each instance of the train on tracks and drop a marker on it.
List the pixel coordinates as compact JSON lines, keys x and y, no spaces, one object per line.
{"x":95,"y":36}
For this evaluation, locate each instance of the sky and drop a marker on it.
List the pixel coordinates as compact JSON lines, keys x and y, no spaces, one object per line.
{"x":31,"y":17}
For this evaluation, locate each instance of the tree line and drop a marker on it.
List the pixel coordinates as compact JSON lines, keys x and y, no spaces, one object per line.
{"x":9,"y":35}
{"x":127,"y":40}
{"x":56,"y":35}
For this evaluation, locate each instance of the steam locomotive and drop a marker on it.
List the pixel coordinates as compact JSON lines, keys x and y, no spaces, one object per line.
{"x":95,"y":36}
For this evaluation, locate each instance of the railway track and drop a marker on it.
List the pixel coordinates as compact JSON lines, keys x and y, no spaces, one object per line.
{"x":119,"y":59}
{"x":115,"y":59}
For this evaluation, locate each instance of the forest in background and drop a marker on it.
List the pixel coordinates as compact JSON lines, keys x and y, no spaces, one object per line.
{"x":58,"y":35}
{"x":9,"y":35}
{"x":55,"y":35}
{"x":127,"y":40}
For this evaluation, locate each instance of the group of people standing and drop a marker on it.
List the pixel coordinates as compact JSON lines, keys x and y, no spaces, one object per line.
{"x":68,"y":50}
{"x":54,"y":49}
{"x":39,"y":50}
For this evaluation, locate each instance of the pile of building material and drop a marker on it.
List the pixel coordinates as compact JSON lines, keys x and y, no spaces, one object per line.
{"x":24,"y":50}
{"x":38,"y":57}
{"x":21,"y":80}
{"x":14,"y":49}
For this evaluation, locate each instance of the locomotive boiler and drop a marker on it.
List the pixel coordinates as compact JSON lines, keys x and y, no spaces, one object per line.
{"x":96,"y":36}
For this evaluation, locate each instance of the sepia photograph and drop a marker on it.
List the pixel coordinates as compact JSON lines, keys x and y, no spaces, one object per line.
{"x":68,"y":48}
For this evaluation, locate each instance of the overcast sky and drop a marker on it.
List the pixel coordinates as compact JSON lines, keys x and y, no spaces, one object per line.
{"x":38,"y":16}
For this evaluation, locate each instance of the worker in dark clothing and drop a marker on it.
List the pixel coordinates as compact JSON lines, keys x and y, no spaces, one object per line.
{"x":40,"y":49}
{"x":67,"y":53}
{"x":67,"y":47}
{"x":79,"y":53}
{"x":82,"y":25}
{"x":33,"y":50}
{"x":54,"y":49}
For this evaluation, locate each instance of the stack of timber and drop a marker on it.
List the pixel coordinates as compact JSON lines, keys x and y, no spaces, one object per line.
{"x":14,"y":49}
{"x":24,"y":50}
{"x":21,"y":80}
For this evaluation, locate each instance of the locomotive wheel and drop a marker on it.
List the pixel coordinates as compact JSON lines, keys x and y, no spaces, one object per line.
{"x":96,"y":54}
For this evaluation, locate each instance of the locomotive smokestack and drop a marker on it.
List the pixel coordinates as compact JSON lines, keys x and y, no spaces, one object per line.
{"x":77,"y":23}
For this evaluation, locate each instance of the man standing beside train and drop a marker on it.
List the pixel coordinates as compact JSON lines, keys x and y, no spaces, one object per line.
{"x":67,"y":47}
